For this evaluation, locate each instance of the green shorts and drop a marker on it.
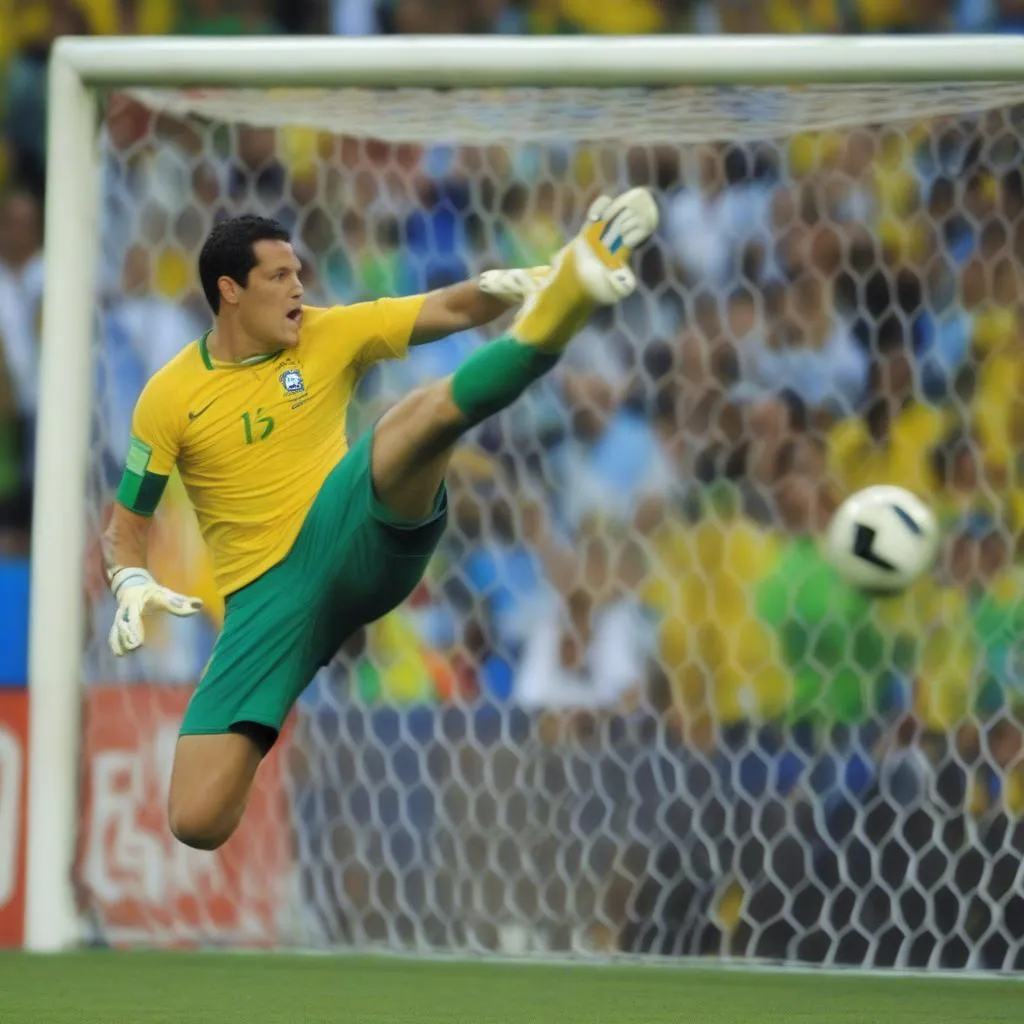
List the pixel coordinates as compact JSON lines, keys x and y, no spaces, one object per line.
{"x":351,"y":563}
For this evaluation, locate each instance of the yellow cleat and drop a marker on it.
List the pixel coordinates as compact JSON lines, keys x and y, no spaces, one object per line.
{"x":592,"y":270}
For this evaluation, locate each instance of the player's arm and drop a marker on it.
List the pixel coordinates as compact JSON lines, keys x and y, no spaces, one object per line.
{"x":368,"y":332}
{"x":151,"y":456}
{"x":125,"y":540}
{"x":472,"y":303}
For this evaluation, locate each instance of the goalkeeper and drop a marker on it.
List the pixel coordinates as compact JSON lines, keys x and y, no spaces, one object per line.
{"x":309,"y":539}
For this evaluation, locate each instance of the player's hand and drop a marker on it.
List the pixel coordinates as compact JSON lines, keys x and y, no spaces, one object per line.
{"x":631,"y":217}
{"x":137,"y":593}
{"x":513,"y":286}
{"x":615,"y":227}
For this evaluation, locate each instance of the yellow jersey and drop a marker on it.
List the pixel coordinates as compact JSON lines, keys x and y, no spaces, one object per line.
{"x":723,"y":661}
{"x":254,"y":442}
{"x":856,"y":461}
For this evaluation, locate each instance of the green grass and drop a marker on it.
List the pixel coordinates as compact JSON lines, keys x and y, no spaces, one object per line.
{"x":175,"y":988}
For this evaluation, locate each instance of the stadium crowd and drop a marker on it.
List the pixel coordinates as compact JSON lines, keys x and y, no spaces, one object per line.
{"x":634,"y":547}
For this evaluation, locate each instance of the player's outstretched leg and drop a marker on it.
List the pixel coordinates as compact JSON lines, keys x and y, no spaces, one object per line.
{"x":413,"y":442}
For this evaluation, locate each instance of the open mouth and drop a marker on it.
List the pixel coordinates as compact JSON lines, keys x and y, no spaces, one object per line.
{"x":295,"y":315}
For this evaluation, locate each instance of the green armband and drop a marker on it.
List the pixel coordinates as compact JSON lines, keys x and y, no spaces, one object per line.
{"x":140,"y":490}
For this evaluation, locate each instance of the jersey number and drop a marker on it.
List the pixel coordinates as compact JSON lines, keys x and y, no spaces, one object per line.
{"x":264,"y":426}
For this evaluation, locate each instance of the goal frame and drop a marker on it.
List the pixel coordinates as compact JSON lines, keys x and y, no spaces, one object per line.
{"x":81,"y":67}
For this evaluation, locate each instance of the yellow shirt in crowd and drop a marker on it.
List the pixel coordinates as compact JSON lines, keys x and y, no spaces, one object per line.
{"x":722,"y":660}
{"x":598,"y":17}
{"x":856,"y":461}
{"x":937,"y":619}
{"x":796,"y":16}
{"x":25,"y":21}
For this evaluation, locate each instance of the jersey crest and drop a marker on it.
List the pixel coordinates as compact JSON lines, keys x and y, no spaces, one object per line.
{"x":292,"y":382}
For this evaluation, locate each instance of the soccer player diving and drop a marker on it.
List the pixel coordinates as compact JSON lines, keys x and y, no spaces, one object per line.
{"x":311,"y":539}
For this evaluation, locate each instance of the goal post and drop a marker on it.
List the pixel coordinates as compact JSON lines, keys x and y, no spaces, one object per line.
{"x":82,"y":70}
{"x":445,"y":62}
{"x":57,"y":622}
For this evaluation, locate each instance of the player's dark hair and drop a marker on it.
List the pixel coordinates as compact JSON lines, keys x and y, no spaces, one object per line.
{"x":229,"y":252}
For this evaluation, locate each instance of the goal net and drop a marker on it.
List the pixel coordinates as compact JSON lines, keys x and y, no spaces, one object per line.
{"x":631,"y":709}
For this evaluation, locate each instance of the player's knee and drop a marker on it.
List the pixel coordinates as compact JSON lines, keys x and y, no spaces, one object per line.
{"x":210,"y":785}
{"x":435,"y":404}
{"x":422,"y":426}
{"x":202,"y":828}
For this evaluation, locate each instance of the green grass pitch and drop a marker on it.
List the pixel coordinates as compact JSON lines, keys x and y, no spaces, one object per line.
{"x":175,"y":988}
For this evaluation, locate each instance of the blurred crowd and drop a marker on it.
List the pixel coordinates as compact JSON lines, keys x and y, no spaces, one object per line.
{"x":640,"y":536}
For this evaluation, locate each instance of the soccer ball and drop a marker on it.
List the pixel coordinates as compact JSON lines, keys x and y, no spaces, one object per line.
{"x":882,"y":538}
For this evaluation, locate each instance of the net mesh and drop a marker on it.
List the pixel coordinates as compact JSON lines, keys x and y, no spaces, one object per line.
{"x":630,"y":709}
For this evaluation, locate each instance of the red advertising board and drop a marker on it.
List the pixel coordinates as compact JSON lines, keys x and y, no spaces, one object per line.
{"x":135,"y":878}
{"x":13,"y":794}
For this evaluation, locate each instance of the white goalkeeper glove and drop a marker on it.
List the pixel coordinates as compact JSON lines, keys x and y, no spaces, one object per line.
{"x":615,"y":228}
{"x":513,"y":286}
{"x":137,"y":593}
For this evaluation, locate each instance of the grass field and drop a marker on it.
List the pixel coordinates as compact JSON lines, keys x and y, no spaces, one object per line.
{"x":173,"y":988}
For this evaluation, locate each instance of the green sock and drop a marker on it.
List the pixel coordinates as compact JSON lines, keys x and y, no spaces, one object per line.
{"x":495,"y":375}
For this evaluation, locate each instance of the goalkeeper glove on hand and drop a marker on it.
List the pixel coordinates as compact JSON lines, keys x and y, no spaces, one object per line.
{"x":136,"y":593}
{"x":614,"y":228}
{"x":513,"y":286}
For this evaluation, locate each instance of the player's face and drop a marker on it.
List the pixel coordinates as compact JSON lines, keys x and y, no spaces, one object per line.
{"x":270,"y":306}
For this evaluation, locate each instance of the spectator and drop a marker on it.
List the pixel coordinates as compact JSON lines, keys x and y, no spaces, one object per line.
{"x":712,"y":220}
{"x":508,"y":17}
{"x":718,"y":657}
{"x":807,"y":350}
{"x":225,"y":18}
{"x":960,"y":625}
{"x":988,"y":16}
{"x":142,"y":330}
{"x":499,"y":580}
{"x":20,"y":307}
{"x":639,"y":17}
{"x":1002,"y":774}
{"x":890,"y":442}
{"x":873,"y":16}
{"x":21,"y":290}
{"x":997,"y":368}
{"x":814,"y":613}
{"x":21,"y":294}
{"x":588,"y":647}
{"x":433,"y":17}
{"x":982,"y":565}
{"x":26,"y":91}
{"x":258,"y":177}
{"x":355,"y":17}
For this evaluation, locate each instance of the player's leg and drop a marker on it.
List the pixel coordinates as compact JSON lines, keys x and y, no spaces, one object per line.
{"x":261,"y":663}
{"x":210,"y":785}
{"x":413,"y":442}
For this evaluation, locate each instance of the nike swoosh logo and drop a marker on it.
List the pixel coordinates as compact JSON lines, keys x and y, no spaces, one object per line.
{"x":195,"y":415}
